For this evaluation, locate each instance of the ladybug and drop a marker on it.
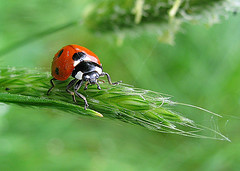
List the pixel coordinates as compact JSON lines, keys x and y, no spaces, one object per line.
{"x":80,"y":63}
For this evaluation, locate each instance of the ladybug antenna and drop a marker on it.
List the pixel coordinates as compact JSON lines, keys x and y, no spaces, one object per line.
{"x":99,"y":80}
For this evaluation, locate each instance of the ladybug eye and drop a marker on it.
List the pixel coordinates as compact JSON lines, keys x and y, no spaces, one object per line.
{"x":78,"y":56}
{"x":60,"y":53}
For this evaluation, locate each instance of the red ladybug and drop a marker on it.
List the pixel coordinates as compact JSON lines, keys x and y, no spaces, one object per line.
{"x":82,"y":64}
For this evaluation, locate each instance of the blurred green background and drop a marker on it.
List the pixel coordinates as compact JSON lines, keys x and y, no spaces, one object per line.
{"x":202,"y":68}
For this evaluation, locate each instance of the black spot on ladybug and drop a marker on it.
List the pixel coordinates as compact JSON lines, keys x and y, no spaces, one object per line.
{"x":7,"y":88}
{"x":60,"y":53}
{"x":57,"y":71}
{"x":78,"y":56}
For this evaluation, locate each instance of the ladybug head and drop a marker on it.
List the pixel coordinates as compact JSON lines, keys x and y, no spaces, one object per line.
{"x":91,"y":77}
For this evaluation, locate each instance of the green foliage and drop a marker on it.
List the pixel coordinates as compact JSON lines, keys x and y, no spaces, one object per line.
{"x":116,"y":15}
{"x":161,"y":17}
{"x":202,"y":68}
{"x":34,"y":37}
{"x":137,"y":106}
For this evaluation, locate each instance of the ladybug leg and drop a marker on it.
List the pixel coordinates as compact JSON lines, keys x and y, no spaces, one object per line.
{"x":86,"y":86}
{"x":76,"y":88}
{"x":70,"y":92}
{"x":53,"y":85}
{"x":109,"y":79}
{"x":98,"y":86}
{"x":87,"y":83}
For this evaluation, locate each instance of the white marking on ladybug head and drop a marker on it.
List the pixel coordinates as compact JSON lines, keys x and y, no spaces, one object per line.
{"x":79,"y":75}
{"x":99,"y":70}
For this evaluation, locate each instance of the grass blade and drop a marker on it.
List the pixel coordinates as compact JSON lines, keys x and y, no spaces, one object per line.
{"x":123,"y":102}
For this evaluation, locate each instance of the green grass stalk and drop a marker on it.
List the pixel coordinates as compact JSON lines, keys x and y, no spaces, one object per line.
{"x":123,"y":102}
